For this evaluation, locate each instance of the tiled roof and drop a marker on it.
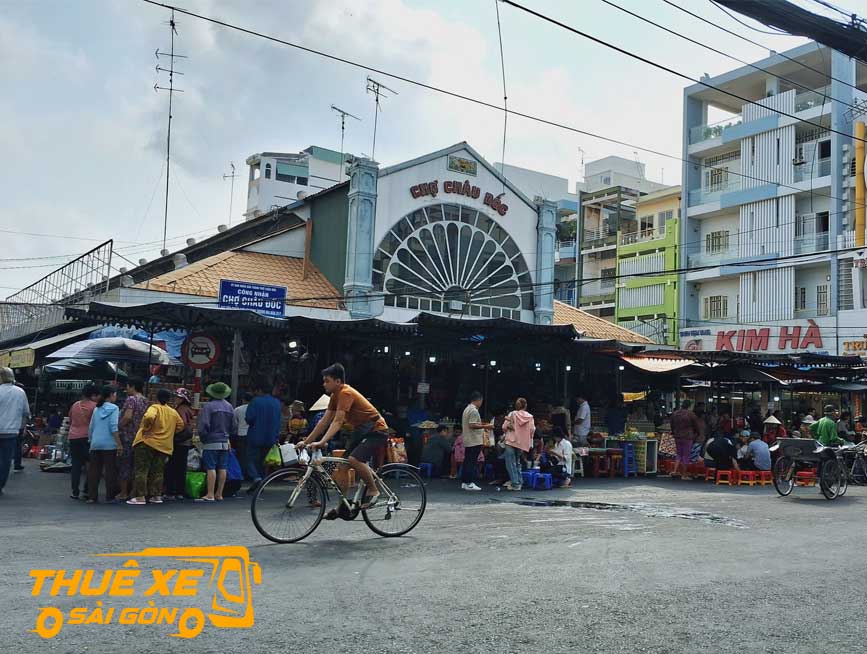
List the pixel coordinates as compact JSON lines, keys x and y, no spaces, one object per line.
{"x":593,"y":327}
{"x":203,"y":277}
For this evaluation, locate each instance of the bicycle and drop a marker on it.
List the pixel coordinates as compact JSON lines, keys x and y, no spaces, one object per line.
{"x":802,"y":453}
{"x":290,"y":503}
{"x":855,"y":463}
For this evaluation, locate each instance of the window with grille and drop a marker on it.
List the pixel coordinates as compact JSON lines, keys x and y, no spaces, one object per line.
{"x":716,"y":306}
{"x":800,"y":298}
{"x":716,"y":241}
{"x":822,"y":299}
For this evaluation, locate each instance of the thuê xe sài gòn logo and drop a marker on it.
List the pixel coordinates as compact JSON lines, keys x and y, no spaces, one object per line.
{"x":214,"y":583}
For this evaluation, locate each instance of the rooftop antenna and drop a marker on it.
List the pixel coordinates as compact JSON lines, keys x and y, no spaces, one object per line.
{"x":377,"y":89}
{"x":581,"y":152}
{"x":343,"y":115}
{"x":172,"y":90}
{"x":232,"y":191}
{"x":637,"y":164}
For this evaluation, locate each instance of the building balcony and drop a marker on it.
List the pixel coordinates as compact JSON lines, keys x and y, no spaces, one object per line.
{"x":808,"y":243}
{"x":565,"y":250}
{"x":642,"y":236}
{"x":598,"y":288}
{"x":809,"y":99}
{"x":803,"y":314}
{"x":713,"y":192}
{"x":701,"y":133}
{"x":594,"y":240}
{"x":566,"y":295}
{"x":713,"y":257}
{"x":812,"y":170}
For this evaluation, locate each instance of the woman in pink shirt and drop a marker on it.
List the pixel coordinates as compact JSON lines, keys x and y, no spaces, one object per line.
{"x":79,"y":423}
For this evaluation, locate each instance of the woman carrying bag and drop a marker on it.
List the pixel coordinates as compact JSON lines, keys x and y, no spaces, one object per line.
{"x":176,"y":468}
{"x":518,"y":437}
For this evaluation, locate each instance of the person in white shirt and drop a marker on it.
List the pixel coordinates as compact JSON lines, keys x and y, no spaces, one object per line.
{"x":239,"y":440}
{"x":14,"y":412}
{"x":582,"y":422}
{"x":562,"y":450}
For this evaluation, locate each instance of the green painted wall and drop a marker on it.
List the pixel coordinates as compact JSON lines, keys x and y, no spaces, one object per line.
{"x":668,"y":244}
{"x":330,"y":215}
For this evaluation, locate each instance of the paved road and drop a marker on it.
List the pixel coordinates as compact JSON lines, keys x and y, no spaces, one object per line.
{"x":668,"y":567}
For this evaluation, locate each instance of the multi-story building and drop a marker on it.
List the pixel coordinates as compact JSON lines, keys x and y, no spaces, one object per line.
{"x":280,"y":178}
{"x":647,"y":254}
{"x":768,"y":224}
{"x":606,"y":200}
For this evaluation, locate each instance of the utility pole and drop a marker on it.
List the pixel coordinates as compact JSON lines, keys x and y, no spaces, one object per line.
{"x":377,"y":89}
{"x":232,"y":191}
{"x":171,"y":90}
{"x":343,"y":115}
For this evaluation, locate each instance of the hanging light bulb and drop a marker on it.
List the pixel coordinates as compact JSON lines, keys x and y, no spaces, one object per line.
{"x":385,"y":349}
{"x":293,"y":344}
{"x":568,"y":368}
{"x":493,"y":362}
{"x":432,"y":359}
{"x":407,"y":353}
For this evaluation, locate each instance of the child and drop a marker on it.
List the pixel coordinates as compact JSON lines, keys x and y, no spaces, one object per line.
{"x":458,"y":454}
{"x":297,"y":423}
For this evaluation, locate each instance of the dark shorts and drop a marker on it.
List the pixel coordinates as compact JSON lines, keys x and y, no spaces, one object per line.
{"x":215,"y":459}
{"x":365,"y":443}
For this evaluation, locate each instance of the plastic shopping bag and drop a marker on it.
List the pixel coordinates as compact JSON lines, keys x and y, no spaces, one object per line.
{"x":288,"y":454}
{"x":194,"y":460}
{"x":233,"y":468}
{"x":194,"y":484}
{"x":273,"y":457}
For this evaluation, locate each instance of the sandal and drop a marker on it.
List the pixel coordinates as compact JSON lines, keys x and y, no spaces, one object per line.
{"x":206,"y":499}
{"x":134,"y":501}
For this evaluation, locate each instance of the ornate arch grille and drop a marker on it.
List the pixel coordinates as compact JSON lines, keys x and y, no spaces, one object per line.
{"x":448,"y":258}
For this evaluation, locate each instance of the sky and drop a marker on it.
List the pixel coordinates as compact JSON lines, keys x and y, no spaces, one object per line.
{"x":82,"y":131}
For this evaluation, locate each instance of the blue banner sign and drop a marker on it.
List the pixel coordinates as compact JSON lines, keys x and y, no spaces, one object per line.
{"x":261,"y":298}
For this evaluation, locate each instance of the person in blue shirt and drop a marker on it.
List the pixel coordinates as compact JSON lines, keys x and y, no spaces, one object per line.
{"x":105,"y":446}
{"x":263,"y":416}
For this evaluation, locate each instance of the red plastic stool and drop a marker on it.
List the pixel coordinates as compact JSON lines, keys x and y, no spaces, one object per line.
{"x":765,"y":478}
{"x":805,"y":478}
{"x":710,"y":474}
{"x":747,"y":478}
{"x":727,"y":477}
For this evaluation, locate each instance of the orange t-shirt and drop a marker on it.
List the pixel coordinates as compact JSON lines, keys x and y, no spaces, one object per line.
{"x":358,"y":409}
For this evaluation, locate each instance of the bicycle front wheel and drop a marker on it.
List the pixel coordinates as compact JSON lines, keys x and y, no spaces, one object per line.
{"x":401,"y":504}
{"x":784,"y":475}
{"x":833,"y":479}
{"x":286,"y":507}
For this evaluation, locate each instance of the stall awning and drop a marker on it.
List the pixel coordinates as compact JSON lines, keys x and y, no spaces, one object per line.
{"x":168,"y":315}
{"x":652,"y":364}
{"x":24,"y":355}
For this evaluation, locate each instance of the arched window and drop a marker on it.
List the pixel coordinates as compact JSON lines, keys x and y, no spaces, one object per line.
{"x":267,"y":171}
{"x":449,"y":258}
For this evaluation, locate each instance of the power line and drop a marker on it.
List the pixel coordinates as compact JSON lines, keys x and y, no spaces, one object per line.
{"x":759,"y":45}
{"x":505,"y":95}
{"x":750,"y":27}
{"x":483,"y":103}
{"x":715,"y":50}
{"x":828,"y":5}
{"x":672,"y":71}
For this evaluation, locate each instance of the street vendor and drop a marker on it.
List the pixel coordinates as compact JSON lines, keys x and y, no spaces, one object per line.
{"x":773,"y":429}
{"x":825,"y":430}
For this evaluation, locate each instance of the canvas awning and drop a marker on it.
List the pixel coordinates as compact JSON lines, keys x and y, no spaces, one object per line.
{"x":24,"y":355}
{"x":652,"y":364}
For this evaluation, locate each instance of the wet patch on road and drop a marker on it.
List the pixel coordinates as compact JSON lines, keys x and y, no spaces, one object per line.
{"x":646,"y":510}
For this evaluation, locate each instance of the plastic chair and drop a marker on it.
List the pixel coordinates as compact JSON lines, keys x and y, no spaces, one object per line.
{"x":528,"y":478}
{"x":577,"y":465}
{"x":599,"y":464}
{"x":630,"y":463}
{"x":746,"y":478}
{"x":726,"y":477}
{"x":546,"y":479}
{"x":426,"y":469}
{"x":615,"y":461}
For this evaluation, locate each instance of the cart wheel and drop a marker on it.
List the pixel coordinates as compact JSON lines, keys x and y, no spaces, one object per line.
{"x":784,"y":475}
{"x":833,"y":481}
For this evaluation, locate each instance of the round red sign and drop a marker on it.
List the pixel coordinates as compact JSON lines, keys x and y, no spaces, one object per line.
{"x":201,"y":351}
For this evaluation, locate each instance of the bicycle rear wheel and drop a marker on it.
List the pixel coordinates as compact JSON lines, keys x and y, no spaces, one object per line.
{"x":286,"y":507}
{"x":401,"y":504}
{"x":859,"y":470}
{"x":833,"y":481}
{"x":784,"y":475}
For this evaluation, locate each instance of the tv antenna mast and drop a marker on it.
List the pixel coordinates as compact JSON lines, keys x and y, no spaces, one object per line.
{"x":343,"y":115}
{"x":377,"y":89}
{"x":232,"y":191}
{"x":172,"y":90}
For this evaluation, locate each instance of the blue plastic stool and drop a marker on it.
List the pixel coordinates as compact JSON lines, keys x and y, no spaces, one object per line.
{"x":528,"y":478}
{"x":630,"y":463}
{"x":427,"y":469}
{"x":547,"y":480}
{"x":489,"y":471}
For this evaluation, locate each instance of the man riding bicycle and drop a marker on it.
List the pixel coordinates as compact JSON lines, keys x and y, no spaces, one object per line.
{"x":370,"y":433}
